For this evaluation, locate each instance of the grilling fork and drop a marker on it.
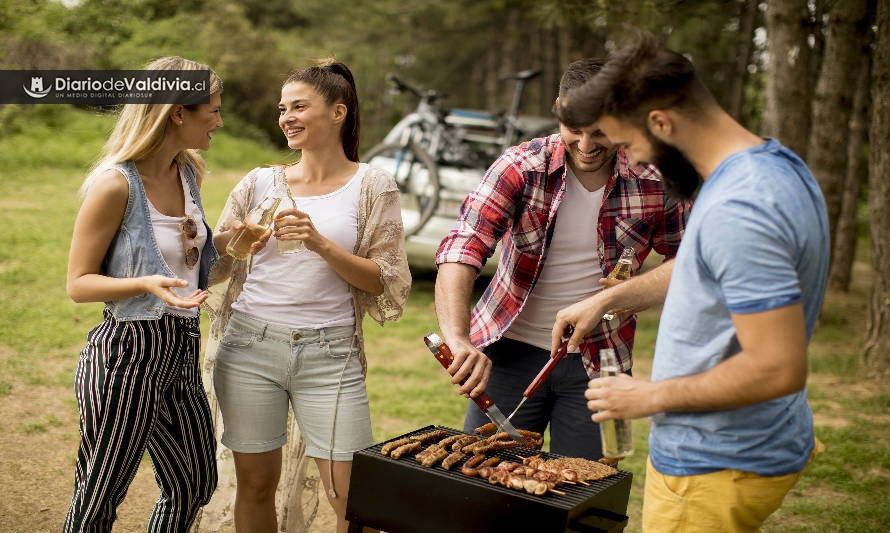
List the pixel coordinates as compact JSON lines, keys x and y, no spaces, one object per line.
{"x":548,"y":368}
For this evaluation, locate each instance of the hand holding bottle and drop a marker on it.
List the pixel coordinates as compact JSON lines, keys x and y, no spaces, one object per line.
{"x":284,"y":228}
{"x":615,"y":433}
{"x":246,"y":240}
{"x":252,"y":233}
{"x":298,"y":226}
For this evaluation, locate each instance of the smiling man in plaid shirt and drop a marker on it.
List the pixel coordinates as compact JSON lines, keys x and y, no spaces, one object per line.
{"x":548,"y":262}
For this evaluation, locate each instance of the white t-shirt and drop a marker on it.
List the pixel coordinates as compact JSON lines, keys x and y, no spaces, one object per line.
{"x":170,"y":242}
{"x":301,"y":290}
{"x":571,"y":270}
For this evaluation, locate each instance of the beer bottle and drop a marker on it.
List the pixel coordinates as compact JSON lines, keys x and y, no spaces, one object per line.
{"x":256,"y":223}
{"x":615,"y":434}
{"x":621,"y":272}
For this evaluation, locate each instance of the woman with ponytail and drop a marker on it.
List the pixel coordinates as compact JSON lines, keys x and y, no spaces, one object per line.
{"x":289,"y":325}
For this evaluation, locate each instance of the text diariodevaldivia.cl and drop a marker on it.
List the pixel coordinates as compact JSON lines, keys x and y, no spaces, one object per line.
{"x":128,"y":85}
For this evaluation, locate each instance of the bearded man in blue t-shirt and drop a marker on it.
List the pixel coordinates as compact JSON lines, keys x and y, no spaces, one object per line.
{"x":731,"y":428}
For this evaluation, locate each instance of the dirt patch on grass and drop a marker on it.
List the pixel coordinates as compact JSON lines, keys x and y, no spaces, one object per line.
{"x":38,"y":449}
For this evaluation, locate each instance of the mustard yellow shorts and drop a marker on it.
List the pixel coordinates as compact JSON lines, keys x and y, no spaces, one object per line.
{"x":726,"y":500}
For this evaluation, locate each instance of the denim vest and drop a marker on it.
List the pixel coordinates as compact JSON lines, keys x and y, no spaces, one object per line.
{"x":134,"y":252}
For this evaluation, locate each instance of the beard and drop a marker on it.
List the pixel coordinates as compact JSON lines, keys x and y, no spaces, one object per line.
{"x":680,"y":179}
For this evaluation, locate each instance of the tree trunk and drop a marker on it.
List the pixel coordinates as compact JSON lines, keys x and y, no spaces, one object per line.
{"x":787,"y":116}
{"x":747,"y":19}
{"x":551,"y":75}
{"x":876,"y":355}
{"x":492,"y":56}
{"x":844,"y":248}
{"x":565,"y":47}
{"x":833,"y":101}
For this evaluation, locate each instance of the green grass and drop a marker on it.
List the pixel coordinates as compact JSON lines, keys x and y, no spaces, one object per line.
{"x":44,"y":154}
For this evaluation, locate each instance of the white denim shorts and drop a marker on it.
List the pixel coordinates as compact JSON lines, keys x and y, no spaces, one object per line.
{"x":262,"y":368}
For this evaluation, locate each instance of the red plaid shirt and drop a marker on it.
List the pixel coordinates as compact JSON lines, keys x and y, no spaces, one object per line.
{"x":516,"y":204}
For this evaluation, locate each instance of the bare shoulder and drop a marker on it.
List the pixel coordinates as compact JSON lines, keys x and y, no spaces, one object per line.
{"x":111,"y":181}
{"x":109,"y":189}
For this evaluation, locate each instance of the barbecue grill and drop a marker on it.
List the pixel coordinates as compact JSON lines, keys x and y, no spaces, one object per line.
{"x":402,"y":496}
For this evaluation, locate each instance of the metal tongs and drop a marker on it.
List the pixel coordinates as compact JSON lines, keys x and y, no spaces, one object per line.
{"x":443,"y":354}
{"x":548,"y":368}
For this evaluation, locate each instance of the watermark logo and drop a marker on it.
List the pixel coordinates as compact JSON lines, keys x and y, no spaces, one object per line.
{"x":104,"y":87}
{"x":37,"y":90}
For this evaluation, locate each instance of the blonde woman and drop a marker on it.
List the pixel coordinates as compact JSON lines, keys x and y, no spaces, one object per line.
{"x":142,"y":246}
{"x":289,"y":325}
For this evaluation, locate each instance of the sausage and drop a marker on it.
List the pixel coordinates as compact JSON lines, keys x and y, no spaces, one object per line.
{"x":448,"y":441}
{"x":475,"y":447}
{"x":487,"y":447}
{"x":429,"y":435}
{"x":491,"y":461}
{"x":434,"y":456}
{"x":452,"y":459}
{"x":470,"y":467}
{"x":426,"y":451}
{"x":532,"y":435}
{"x":487,"y":429}
{"x":392,"y":445}
{"x":460,"y":443}
{"x":498,"y":436}
{"x":411,"y":447}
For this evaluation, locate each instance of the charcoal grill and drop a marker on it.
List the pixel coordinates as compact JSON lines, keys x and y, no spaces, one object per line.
{"x":402,"y":496}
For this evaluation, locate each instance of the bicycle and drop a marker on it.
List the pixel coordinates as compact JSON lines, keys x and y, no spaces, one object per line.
{"x":434,"y":135}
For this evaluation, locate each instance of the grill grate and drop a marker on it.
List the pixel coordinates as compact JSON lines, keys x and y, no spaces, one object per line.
{"x":401,"y":495}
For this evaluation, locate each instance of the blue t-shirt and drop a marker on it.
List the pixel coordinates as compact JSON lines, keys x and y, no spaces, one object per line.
{"x":757,"y":239}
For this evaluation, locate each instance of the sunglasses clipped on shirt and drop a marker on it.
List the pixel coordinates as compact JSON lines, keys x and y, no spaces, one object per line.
{"x":188,"y":228}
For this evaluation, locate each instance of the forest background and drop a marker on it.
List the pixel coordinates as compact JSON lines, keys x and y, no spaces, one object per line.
{"x":812,"y":73}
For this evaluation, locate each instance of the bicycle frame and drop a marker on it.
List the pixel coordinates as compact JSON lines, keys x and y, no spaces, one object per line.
{"x":433,"y":137}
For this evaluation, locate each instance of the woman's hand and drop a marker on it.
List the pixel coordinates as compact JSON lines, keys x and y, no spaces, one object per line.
{"x":257,"y":245}
{"x":296,"y":225}
{"x":162,"y":287}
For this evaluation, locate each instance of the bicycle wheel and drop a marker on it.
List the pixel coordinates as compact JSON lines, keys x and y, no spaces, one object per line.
{"x":417,"y":177}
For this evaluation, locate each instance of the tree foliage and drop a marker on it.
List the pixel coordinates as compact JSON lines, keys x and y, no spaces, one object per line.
{"x":762,"y":59}
{"x":461,"y":47}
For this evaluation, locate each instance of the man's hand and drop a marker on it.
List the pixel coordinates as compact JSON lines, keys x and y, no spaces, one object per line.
{"x":620,"y":298}
{"x":582,"y":317}
{"x":454,"y":289}
{"x":772,"y":363}
{"x":470,"y":369}
{"x":621,"y":397}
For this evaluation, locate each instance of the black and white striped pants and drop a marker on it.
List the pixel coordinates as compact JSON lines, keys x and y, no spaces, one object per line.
{"x":139,"y":388}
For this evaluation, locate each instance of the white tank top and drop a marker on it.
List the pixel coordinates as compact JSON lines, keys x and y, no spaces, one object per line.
{"x":169,"y":239}
{"x":301,"y":290}
{"x":571,"y":270}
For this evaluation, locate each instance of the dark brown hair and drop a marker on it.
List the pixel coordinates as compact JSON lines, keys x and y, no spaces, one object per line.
{"x":334,"y":82}
{"x":578,"y":72}
{"x":638,"y":77}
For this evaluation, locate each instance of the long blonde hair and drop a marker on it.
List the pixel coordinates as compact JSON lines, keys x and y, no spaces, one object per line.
{"x":140,"y":128}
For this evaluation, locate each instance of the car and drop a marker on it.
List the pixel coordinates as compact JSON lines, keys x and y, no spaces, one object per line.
{"x":430,"y":210}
